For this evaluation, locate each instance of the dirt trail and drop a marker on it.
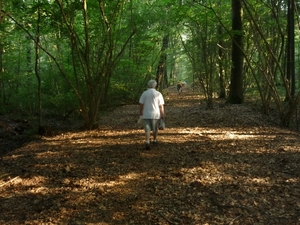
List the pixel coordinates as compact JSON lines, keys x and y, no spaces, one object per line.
{"x":223,"y":166}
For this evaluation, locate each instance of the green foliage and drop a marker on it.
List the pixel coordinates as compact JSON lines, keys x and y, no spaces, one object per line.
{"x":21,"y":97}
{"x":121,"y":93}
{"x":84,"y":59}
{"x":60,"y":104}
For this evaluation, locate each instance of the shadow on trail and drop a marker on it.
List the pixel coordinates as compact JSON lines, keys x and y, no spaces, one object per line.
{"x":112,"y":180}
{"x":208,"y":168}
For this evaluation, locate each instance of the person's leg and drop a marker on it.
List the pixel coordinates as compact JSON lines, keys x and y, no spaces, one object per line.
{"x":154,"y":136}
{"x":155,"y":124}
{"x":147,"y":136}
{"x":147,"y":128}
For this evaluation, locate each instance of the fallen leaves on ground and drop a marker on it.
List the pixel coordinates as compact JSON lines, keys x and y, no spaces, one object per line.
{"x":229,"y":165}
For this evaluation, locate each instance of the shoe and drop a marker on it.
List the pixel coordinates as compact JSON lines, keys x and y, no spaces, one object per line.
{"x":147,"y":146}
{"x":155,"y":142}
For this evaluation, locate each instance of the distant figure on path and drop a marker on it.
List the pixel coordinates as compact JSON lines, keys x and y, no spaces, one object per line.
{"x":151,"y":110}
{"x":179,"y":87}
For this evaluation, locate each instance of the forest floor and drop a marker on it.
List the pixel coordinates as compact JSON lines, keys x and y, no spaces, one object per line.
{"x":229,"y":165}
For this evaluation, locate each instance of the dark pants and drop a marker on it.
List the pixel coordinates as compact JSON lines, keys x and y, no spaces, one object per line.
{"x":179,"y":87}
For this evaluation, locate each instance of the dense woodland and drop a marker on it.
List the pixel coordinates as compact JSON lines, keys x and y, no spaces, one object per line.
{"x":73,"y":59}
{"x":71,"y":74}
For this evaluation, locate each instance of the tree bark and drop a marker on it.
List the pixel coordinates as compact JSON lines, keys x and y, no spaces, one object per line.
{"x":236,"y":95}
{"x":2,"y":94}
{"x":36,"y":67}
{"x":161,"y":72}
{"x":222,"y":92}
{"x":290,"y":69}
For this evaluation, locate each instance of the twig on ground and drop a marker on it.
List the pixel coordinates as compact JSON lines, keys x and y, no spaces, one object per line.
{"x":4,"y":175}
{"x":1,"y":185}
{"x":164,"y":217}
{"x":231,"y":222}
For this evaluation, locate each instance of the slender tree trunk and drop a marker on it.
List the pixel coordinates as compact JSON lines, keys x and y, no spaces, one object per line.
{"x":36,"y":68}
{"x":290,"y":69}
{"x":222,"y":92}
{"x":2,"y":94}
{"x":161,"y":71}
{"x":28,"y":55}
{"x":236,"y":85}
{"x":1,"y":13}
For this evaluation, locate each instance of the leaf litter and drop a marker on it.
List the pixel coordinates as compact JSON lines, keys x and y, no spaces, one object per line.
{"x":229,"y":165}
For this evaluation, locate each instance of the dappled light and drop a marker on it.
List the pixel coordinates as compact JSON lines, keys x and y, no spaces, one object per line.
{"x":223,"y":135}
{"x":229,"y":165}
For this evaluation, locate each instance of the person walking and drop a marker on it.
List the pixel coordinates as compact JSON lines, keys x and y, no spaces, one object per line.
{"x":152,"y":111}
{"x":179,"y":86}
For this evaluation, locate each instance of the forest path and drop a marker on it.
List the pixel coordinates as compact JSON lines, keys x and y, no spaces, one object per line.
{"x":228,"y":165}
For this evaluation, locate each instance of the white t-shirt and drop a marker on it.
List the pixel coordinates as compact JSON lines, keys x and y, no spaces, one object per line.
{"x":151,"y":99}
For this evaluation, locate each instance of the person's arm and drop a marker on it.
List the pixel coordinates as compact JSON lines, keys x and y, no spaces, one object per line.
{"x":162,"y":111}
{"x":141,"y":109}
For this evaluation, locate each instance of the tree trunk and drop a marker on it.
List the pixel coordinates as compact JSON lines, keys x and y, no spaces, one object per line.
{"x":2,"y":94}
{"x":236,"y":95}
{"x":222,"y":92}
{"x":95,"y":71}
{"x":161,"y":72}
{"x":36,"y":68}
{"x":290,"y":69}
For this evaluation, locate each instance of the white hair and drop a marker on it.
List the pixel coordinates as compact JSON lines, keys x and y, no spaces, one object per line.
{"x":152,"y":83}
